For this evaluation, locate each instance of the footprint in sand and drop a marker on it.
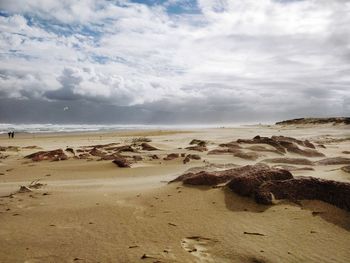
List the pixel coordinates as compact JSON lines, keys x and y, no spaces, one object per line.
{"x":198,"y":247}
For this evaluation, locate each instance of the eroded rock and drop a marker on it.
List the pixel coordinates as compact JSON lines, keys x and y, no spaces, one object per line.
{"x":147,"y":147}
{"x":333,"y":161}
{"x":305,"y":188}
{"x":171,"y":156}
{"x":54,"y":155}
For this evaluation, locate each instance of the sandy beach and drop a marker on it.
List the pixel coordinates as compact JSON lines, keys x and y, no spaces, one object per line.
{"x":85,"y":209}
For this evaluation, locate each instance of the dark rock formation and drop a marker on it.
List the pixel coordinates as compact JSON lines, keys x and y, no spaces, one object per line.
{"x":171,"y":156}
{"x":246,"y":184}
{"x":121,"y":162}
{"x":146,"y":147}
{"x":197,"y":148}
{"x":55,"y":155}
{"x":264,"y":140}
{"x":198,"y":142}
{"x":71,"y":150}
{"x":346,"y":152}
{"x":333,"y":161}
{"x":259,"y":148}
{"x":335,"y":120}
{"x":283,"y":144}
{"x":301,"y":161}
{"x":190,"y":157}
{"x":247,"y":155}
{"x":154,"y":157}
{"x":305,"y":143}
{"x":230,"y":145}
{"x":217,"y":177}
{"x":224,"y":151}
{"x":305,"y":188}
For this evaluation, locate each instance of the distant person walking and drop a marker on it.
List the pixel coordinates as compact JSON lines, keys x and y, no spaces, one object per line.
{"x":9,"y":133}
{"x":13,"y":135}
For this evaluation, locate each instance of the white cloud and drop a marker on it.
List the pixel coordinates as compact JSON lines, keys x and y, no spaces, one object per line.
{"x":266,"y":54}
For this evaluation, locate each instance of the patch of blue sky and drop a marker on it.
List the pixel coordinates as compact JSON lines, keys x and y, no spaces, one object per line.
{"x":173,"y":7}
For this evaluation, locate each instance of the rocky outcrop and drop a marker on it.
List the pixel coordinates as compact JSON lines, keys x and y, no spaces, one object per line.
{"x":231,"y":145}
{"x":147,"y":147}
{"x":246,"y":184}
{"x":198,"y":142}
{"x":54,"y":155}
{"x":224,"y":151}
{"x":247,"y":155}
{"x":303,"y":121}
{"x":121,"y":162}
{"x":197,"y":148}
{"x":284,"y":144}
{"x":333,"y":161}
{"x":259,"y":148}
{"x":171,"y":156}
{"x":263,"y":140}
{"x":305,"y":188}
{"x":71,"y":150}
{"x":190,"y":157}
{"x":298,"y":161}
{"x":217,"y":177}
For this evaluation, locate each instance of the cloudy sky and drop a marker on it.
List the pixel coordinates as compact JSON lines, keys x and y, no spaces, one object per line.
{"x":173,"y":61}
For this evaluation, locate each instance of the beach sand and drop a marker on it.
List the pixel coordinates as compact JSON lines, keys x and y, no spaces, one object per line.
{"x":93,"y":211}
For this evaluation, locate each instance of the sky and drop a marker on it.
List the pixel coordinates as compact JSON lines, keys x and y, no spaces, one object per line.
{"x":173,"y":61}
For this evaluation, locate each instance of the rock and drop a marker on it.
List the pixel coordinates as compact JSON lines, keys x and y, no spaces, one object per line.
{"x":70,"y":150}
{"x":346,"y":152}
{"x":224,"y":151}
{"x":259,"y":148}
{"x":346,"y":169}
{"x":246,"y":184}
{"x":197,"y":148}
{"x":55,"y":155}
{"x":217,"y":177}
{"x":264,"y":140}
{"x":293,"y":148}
{"x":146,"y":147}
{"x":301,"y":161}
{"x":121,"y":162}
{"x":230,"y":145}
{"x":154,"y":157}
{"x":183,"y":154}
{"x":333,"y":161}
{"x":283,"y":144}
{"x":305,"y":188}
{"x":303,"y":121}
{"x":171,"y":156}
{"x":84,"y":156}
{"x":191,"y":157}
{"x":305,"y":143}
{"x":198,"y":142}
{"x":247,"y":155}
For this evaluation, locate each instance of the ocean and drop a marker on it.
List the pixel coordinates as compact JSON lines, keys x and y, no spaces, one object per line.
{"x":54,"y":128}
